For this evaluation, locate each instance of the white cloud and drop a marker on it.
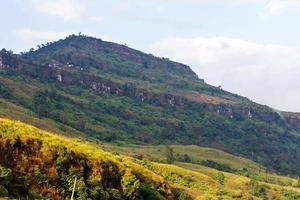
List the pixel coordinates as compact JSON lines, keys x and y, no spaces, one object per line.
{"x":31,"y":35}
{"x":67,"y":9}
{"x":267,"y":73}
{"x":278,"y":7}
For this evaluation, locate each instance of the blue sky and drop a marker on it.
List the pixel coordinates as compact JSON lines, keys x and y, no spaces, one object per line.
{"x":250,"y":47}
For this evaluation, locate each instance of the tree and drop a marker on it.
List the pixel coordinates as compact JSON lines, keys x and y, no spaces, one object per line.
{"x":170,"y":155}
{"x":42,"y":104}
{"x":186,"y":158}
{"x":81,"y":124}
{"x":5,"y":93}
{"x":146,"y":64}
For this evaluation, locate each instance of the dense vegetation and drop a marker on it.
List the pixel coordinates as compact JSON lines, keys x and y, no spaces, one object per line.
{"x":108,"y":92}
{"x":35,"y":164}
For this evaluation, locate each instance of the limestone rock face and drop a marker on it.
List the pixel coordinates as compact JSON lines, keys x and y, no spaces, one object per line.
{"x":59,"y":78}
{"x":1,"y":62}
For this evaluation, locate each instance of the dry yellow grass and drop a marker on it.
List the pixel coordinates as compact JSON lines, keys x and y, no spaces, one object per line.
{"x":200,"y":182}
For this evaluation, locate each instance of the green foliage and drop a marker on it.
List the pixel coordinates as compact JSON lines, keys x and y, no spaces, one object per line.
{"x":220,"y":177}
{"x":186,"y":158}
{"x":257,"y":189}
{"x":5,"y":93}
{"x":115,"y":194}
{"x":41,"y":177}
{"x":181,"y":195}
{"x":170,"y":155}
{"x":289,"y":195}
{"x":82,"y":190}
{"x":183,"y":158}
{"x":96,"y":189}
{"x":298,"y":182}
{"x":5,"y":175}
{"x":150,"y":193}
{"x":46,"y":102}
{"x":130,"y":185}
{"x":218,"y":166}
{"x":5,"y":178}
{"x":62,"y":156}
{"x":3,"y":191}
{"x":42,"y":105}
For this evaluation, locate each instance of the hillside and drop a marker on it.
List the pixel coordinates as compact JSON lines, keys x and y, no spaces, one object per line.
{"x":110,"y":93}
{"x":35,"y":164}
{"x":185,"y":153}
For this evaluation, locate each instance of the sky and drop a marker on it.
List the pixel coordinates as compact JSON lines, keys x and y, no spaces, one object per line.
{"x":249,"y":47}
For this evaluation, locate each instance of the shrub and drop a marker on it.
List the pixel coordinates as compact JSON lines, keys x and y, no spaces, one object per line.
{"x":148,"y":193}
{"x":62,"y":157}
{"x":5,"y":175}
{"x":115,"y":194}
{"x":220,"y":177}
{"x":5,"y":178}
{"x":298,"y":182}
{"x":257,"y":189}
{"x":180,"y":194}
{"x":82,"y":190}
{"x":130,"y":185}
{"x":185,"y":158}
{"x":218,"y":166}
{"x":41,"y":177}
{"x":3,"y":191}
{"x":291,"y":195}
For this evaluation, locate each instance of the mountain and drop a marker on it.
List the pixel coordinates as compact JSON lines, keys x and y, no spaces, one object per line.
{"x":102,"y":91}
{"x":36,"y":164}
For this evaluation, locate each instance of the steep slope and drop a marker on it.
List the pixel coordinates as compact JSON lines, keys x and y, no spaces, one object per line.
{"x":35,"y":164}
{"x":109,"y":92}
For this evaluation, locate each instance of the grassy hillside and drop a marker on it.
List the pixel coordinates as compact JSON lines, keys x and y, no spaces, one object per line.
{"x":185,"y":153}
{"x":204,"y":160}
{"x":36,"y":163}
{"x":39,"y":164}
